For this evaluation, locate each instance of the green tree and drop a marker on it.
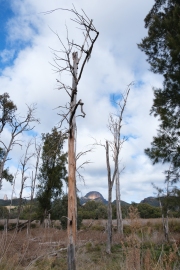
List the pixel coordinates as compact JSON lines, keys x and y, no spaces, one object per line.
{"x":52,"y":171}
{"x":5,"y":172}
{"x":147,"y":211}
{"x":7,"y":111}
{"x":60,"y":210}
{"x":163,"y":54}
{"x":101,"y":211}
{"x":4,"y":213}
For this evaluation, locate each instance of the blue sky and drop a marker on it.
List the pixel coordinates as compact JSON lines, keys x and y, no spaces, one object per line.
{"x":6,"y":14}
{"x":26,"y":74}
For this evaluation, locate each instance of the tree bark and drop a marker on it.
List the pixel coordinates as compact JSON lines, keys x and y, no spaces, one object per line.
{"x":72,"y":201}
{"x":20,"y":200}
{"x":109,"y":223}
{"x":118,"y":206}
{"x":117,"y":127}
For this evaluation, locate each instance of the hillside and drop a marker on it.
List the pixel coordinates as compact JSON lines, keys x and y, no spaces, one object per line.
{"x":151,"y":200}
{"x":15,"y":202}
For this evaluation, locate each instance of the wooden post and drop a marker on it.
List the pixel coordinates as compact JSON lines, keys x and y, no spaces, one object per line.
{"x":72,"y":201}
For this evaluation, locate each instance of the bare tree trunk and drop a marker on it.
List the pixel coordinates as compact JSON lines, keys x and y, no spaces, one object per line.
{"x":118,"y":206}
{"x":110,"y":185}
{"x":117,"y":127}
{"x":109,"y":224}
{"x":72,"y":201}
{"x":165,"y":223}
{"x":20,"y":201}
{"x":33,"y":180}
{"x":166,"y":227}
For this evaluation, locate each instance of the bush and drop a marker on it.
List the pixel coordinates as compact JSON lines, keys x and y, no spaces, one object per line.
{"x":147,"y":211}
{"x":4,"y":213}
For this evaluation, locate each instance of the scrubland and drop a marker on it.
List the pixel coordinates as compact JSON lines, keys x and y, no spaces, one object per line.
{"x":142,"y":247}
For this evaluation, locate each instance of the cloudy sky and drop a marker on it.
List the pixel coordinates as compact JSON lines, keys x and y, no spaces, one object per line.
{"x":26,"y":73}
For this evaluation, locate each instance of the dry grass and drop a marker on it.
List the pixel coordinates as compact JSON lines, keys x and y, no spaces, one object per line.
{"x":142,"y":248}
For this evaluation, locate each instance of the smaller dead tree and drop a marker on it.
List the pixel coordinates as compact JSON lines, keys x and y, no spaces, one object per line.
{"x":17,"y":126}
{"x":34,"y":178}
{"x":114,"y":146}
{"x":110,"y":146}
{"x":24,"y":167}
{"x":115,"y":126}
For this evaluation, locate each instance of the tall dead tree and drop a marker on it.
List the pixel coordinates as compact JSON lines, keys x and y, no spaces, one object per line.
{"x":81,"y":53}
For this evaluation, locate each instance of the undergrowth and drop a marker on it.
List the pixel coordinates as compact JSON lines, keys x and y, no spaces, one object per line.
{"x":142,"y":248}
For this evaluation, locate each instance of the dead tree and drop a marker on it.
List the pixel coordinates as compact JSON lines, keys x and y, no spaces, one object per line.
{"x":115,"y":125}
{"x":17,"y":126}
{"x":110,"y":147}
{"x":24,"y":166}
{"x":33,"y":179}
{"x":114,"y":146}
{"x":80,"y":53}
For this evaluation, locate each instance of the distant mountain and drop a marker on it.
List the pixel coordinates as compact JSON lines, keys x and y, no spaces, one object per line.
{"x":97,"y":197}
{"x":93,"y":196}
{"x":153,"y":201}
{"x":123,"y":203}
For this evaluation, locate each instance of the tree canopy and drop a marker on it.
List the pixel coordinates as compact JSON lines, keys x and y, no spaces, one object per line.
{"x":52,"y":170}
{"x":7,"y":111}
{"x":163,"y":54}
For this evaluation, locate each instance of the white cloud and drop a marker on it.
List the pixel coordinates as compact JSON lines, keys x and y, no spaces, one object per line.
{"x":116,"y":61}
{"x":6,"y":55}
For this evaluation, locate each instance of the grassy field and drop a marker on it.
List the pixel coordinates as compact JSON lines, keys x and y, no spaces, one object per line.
{"x":142,"y":247}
